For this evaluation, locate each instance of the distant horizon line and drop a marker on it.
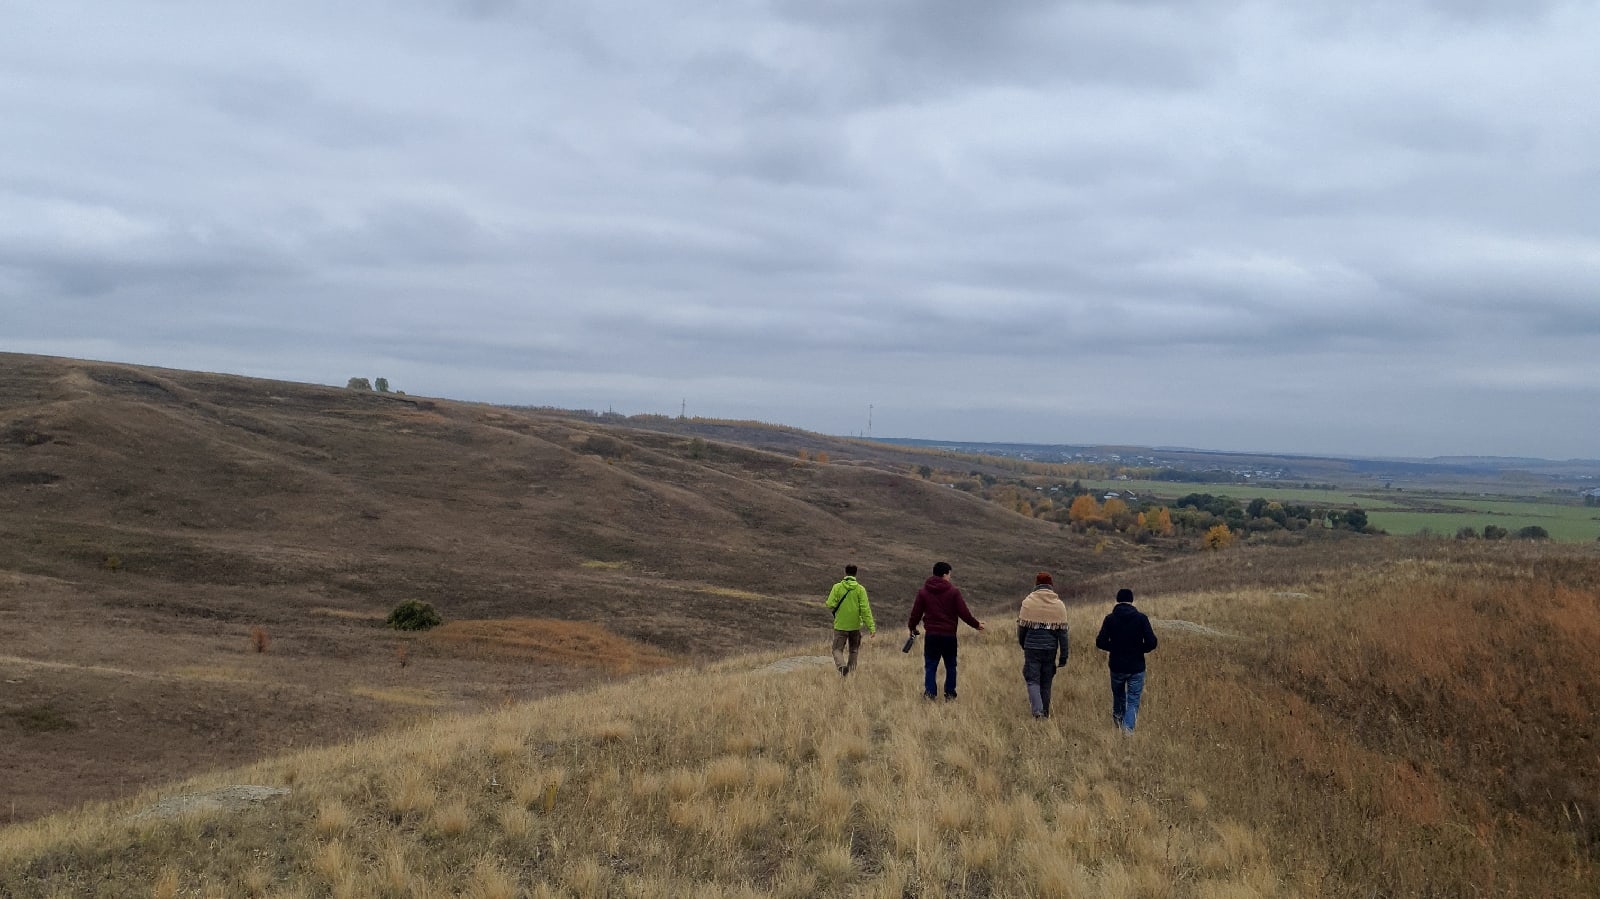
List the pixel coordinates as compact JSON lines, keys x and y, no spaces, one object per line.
{"x":1342,"y":457}
{"x":1339,"y":457}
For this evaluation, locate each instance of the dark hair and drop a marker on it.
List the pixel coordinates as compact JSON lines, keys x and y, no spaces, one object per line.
{"x":850,"y":569}
{"x":940,"y":569}
{"x":1124,"y":595}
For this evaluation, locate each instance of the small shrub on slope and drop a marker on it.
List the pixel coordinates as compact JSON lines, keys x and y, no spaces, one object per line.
{"x":414,"y":615}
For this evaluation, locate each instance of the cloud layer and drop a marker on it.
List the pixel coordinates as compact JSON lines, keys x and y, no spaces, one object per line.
{"x":1244,"y":226}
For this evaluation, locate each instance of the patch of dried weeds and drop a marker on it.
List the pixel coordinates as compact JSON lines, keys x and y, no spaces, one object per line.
{"x":549,"y":641}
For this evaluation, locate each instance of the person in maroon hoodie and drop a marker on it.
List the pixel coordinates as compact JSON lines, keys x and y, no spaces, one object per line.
{"x":940,"y":608}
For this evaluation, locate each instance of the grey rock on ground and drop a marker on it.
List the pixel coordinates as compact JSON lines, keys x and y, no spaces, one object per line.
{"x":225,"y":799}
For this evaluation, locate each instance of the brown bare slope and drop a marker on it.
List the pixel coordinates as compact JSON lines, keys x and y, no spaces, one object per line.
{"x":150,"y":519}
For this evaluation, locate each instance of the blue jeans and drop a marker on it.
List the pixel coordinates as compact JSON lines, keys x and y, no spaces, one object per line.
{"x":1125,"y":692}
{"x":937,"y":647}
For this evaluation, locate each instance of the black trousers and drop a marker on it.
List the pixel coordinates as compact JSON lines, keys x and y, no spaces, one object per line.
{"x":938,"y":648}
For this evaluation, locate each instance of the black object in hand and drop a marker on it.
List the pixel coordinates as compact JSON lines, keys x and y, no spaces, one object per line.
{"x":909,"y":641}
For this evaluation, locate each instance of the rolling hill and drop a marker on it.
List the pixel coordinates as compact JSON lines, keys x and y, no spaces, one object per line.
{"x":1316,"y":724}
{"x":195,"y":568}
{"x":152,"y":521}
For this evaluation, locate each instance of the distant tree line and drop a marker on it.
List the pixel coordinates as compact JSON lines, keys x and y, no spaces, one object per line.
{"x":1216,"y":520}
{"x":1496,"y":532}
{"x":1200,"y":512}
{"x":1214,"y":476}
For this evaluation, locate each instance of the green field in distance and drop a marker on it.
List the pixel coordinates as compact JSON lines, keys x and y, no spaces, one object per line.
{"x":1399,"y":513}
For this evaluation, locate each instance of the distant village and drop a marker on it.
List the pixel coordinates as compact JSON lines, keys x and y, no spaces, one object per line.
{"x":1574,"y":478}
{"x":1168,"y":467}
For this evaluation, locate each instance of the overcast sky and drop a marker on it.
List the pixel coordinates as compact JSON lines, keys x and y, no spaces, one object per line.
{"x":1356,"y":227}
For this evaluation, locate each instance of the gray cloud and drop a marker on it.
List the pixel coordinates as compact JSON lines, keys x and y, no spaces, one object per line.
{"x":1363,"y":228}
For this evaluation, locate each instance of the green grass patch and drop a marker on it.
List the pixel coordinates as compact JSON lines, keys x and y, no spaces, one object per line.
{"x":1398,"y":512}
{"x":1565,"y":523}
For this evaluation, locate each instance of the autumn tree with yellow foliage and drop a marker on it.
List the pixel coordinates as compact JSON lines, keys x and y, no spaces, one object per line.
{"x":1157,"y":521}
{"x":1084,"y":509}
{"x":1218,"y":538}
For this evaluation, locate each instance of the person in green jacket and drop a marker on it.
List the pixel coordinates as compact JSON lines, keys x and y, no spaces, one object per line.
{"x":851,"y":612}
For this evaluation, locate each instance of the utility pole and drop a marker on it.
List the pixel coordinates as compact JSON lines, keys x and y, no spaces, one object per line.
{"x":683,"y":408}
{"x":869,"y":421}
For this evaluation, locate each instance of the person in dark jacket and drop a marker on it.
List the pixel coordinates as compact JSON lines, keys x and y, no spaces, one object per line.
{"x":1127,"y":636}
{"x":1042,"y":634}
{"x":940,"y":608}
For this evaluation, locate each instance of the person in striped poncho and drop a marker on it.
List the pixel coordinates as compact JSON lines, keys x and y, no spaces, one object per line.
{"x":1042,"y":634}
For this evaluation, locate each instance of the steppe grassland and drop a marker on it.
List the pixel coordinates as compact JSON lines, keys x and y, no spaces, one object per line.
{"x":1349,"y":742}
{"x":720,"y":782}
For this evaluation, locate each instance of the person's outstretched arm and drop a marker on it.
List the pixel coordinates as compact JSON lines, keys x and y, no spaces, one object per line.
{"x":965,"y":613}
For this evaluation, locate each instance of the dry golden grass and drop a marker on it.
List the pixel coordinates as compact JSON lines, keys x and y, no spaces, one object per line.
{"x":553,"y":642}
{"x":348,"y":615}
{"x":219,"y":673}
{"x":731,"y":593}
{"x":1326,"y":750}
{"x":399,"y":696}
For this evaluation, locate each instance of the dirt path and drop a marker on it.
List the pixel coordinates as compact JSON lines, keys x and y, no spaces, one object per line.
{"x":93,"y":669}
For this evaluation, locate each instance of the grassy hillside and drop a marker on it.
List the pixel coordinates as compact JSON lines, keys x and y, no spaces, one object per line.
{"x":1418,"y":724}
{"x":152,"y":520}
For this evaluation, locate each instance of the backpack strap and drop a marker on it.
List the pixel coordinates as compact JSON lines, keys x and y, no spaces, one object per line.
{"x":836,"y":609}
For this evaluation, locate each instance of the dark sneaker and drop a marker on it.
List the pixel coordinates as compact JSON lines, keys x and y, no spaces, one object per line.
{"x":949,"y":697}
{"x":843,"y":671}
{"x":930,"y":696}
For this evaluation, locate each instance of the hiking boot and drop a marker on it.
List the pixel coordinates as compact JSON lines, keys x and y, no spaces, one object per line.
{"x":949,"y":697}
{"x":843,"y":671}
